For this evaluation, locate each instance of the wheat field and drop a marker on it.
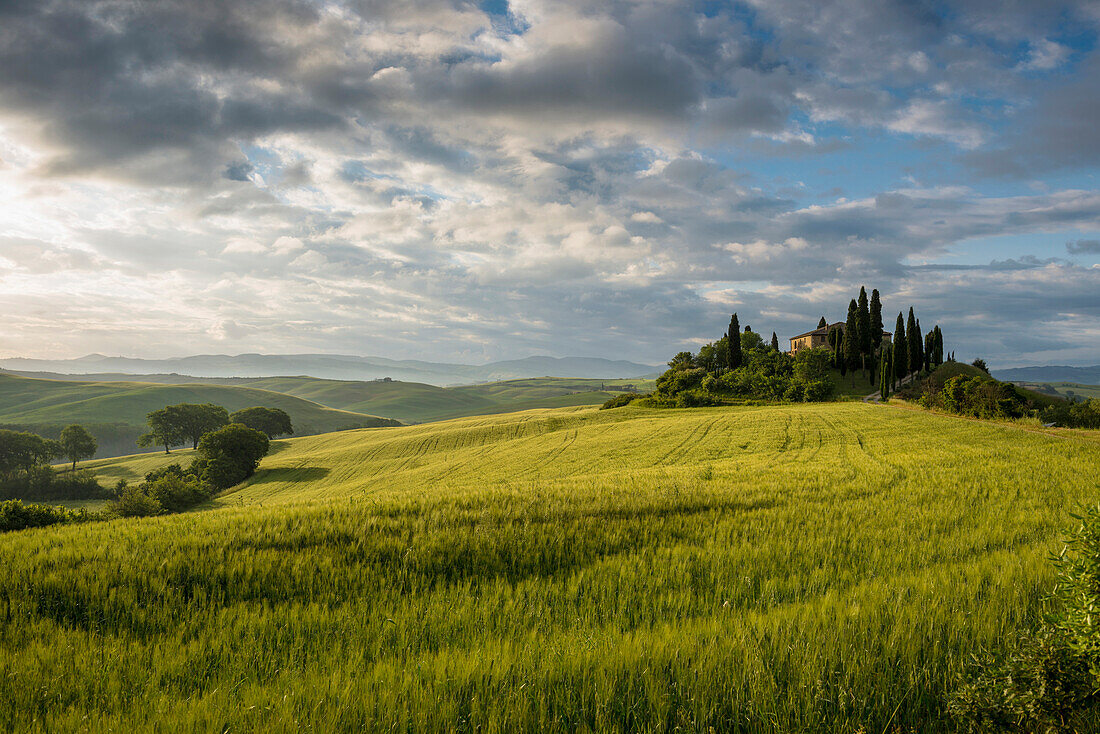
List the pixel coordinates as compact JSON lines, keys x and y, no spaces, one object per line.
{"x":823,"y":567}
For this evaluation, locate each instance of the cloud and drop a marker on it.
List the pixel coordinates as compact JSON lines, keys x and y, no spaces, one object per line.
{"x":565,"y":177}
{"x":1083,"y":247}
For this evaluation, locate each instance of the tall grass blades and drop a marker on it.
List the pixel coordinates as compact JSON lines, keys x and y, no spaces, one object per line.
{"x":799,"y":569}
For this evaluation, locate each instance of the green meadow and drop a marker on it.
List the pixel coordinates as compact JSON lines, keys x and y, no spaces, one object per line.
{"x":415,"y":402}
{"x":115,"y":412}
{"x":801,"y":568}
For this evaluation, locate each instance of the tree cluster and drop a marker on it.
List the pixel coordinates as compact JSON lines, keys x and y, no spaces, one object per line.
{"x":175,"y":425}
{"x":741,"y":366}
{"x":25,"y":471}
{"x":225,"y":457}
{"x":860,"y":344}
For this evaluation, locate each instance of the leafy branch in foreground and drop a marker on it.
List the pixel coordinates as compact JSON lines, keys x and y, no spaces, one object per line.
{"x":1050,"y":680}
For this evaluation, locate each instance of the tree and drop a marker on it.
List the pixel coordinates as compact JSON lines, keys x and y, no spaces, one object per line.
{"x":876,"y":321}
{"x":929,"y":348}
{"x":750,"y":340}
{"x":76,"y":444}
{"x":851,"y":347}
{"x":937,"y":348}
{"x":734,"y":335}
{"x":901,"y":349}
{"x":980,"y":364}
{"x":682,"y":361}
{"x":864,"y":325}
{"x":23,"y":452}
{"x":775,"y":342}
{"x":821,"y":324}
{"x":196,"y":420}
{"x":915,"y":357}
{"x":231,"y":454}
{"x":272,"y":421}
{"x":885,"y":372}
{"x":163,"y":431}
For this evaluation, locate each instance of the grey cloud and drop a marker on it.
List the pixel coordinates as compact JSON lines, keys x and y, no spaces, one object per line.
{"x":1083,"y":246}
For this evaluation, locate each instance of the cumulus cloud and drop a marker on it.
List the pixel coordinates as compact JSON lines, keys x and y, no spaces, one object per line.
{"x":558,"y":177}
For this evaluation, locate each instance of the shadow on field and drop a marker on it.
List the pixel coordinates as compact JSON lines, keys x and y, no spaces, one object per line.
{"x":290,"y":474}
{"x":277,"y":447}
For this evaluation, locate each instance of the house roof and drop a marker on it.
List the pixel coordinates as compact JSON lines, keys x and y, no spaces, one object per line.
{"x":826,"y":329}
{"x":822,"y":330}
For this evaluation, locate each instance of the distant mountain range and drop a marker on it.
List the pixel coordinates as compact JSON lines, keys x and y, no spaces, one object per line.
{"x":336,"y":367}
{"x":1056,"y":373}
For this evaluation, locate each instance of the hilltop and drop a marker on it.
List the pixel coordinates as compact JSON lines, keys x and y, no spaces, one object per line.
{"x":562,"y":570}
{"x":115,"y":411}
{"x":339,"y":367}
{"x":1054,"y":373}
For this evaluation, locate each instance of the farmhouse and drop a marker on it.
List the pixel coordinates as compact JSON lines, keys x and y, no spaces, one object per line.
{"x":820,"y":337}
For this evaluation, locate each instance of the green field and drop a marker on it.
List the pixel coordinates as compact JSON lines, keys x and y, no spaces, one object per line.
{"x":802,"y":568}
{"x":115,"y":411}
{"x":1065,"y":389}
{"x":414,"y":402}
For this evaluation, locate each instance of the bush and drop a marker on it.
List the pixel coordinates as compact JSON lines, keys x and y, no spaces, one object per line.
{"x":14,"y":515}
{"x":1073,"y":415}
{"x":136,"y":502}
{"x":176,"y":493}
{"x":44,"y":483}
{"x":1050,"y":680}
{"x":230,"y":455}
{"x":620,"y":400}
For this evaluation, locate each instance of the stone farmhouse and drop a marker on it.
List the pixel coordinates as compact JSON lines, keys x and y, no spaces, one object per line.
{"x":820,"y":337}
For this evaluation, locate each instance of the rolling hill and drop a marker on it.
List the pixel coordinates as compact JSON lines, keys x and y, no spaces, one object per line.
{"x":408,"y":402}
{"x":115,"y":411}
{"x":339,"y":367}
{"x":813,"y":567}
{"x":1054,"y":373}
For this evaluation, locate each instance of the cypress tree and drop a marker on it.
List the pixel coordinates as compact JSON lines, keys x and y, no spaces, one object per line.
{"x":912,"y":333}
{"x":734,"y":337}
{"x":901,"y":349}
{"x":885,"y":373}
{"x":937,"y":346}
{"x":775,"y":342}
{"x":865,"y":339}
{"x":822,"y":323}
{"x":876,"y":321}
{"x":835,"y":339}
{"x":851,"y":349}
{"x":929,"y":349}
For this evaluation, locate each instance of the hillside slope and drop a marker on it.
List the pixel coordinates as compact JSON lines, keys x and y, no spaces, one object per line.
{"x":408,"y":402}
{"x":787,"y":568}
{"x":340,"y":367}
{"x":118,"y":409}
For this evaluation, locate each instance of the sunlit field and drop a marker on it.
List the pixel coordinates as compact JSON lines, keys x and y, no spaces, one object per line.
{"x":789,"y":568}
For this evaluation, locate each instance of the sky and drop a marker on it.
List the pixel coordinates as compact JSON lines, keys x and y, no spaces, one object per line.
{"x":464,"y":181}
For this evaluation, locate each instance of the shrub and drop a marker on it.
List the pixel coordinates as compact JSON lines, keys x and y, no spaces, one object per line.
{"x":1050,"y":680}
{"x":176,"y":492}
{"x":43,"y":483}
{"x":1073,"y":415}
{"x":14,"y":515}
{"x":620,"y":400}
{"x":136,"y":502}
{"x":230,"y":455}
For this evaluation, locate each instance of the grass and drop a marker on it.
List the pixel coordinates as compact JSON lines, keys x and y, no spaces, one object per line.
{"x":118,"y":409}
{"x":413,"y":402}
{"x":798,"y":568}
{"x":1064,"y":389}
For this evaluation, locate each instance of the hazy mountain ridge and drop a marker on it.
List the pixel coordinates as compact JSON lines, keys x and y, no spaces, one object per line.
{"x":336,"y":367}
{"x":1052,"y":373}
